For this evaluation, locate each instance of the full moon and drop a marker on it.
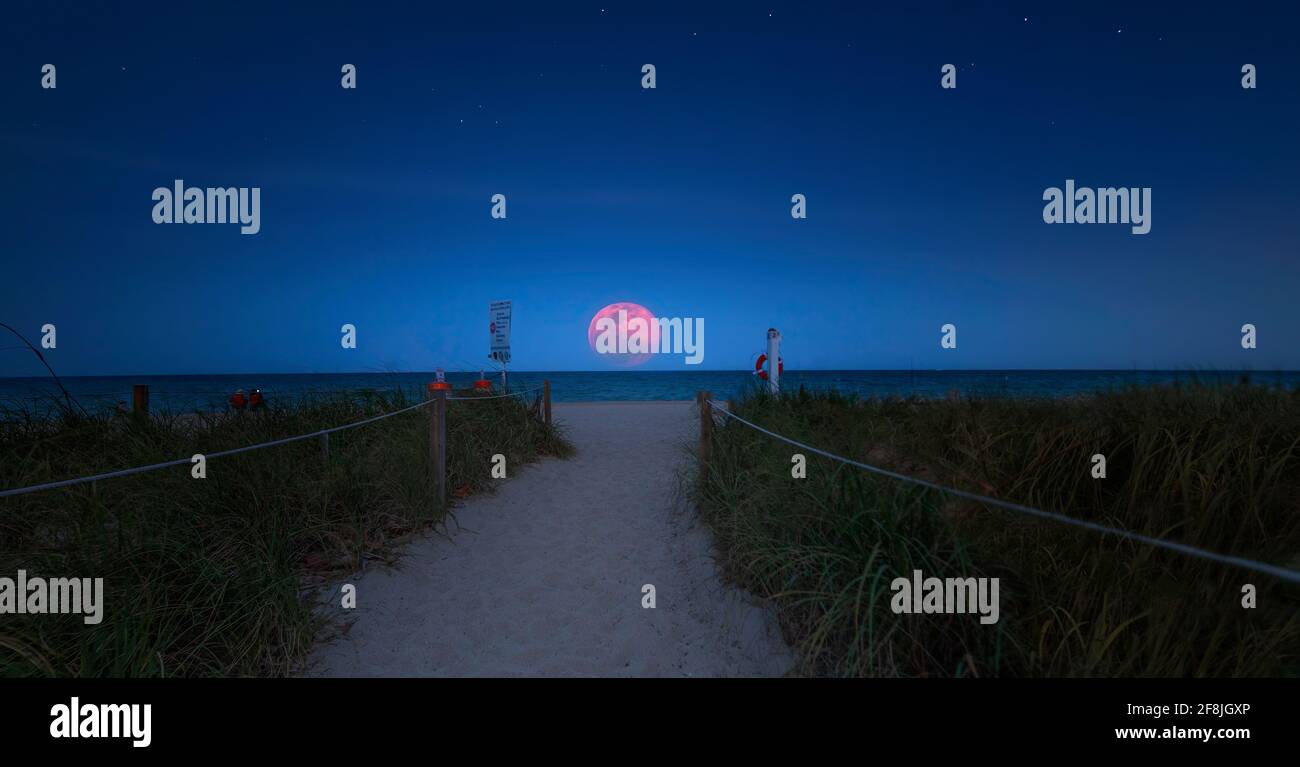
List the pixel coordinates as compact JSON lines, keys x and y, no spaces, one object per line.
{"x":611,"y":311}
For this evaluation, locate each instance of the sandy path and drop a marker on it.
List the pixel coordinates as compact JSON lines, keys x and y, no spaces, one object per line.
{"x":544,"y":577}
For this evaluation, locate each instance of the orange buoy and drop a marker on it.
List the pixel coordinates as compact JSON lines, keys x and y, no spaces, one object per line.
{"x":758,"y":366}
{"x":440,"y":382}
{"x":483,"y":383}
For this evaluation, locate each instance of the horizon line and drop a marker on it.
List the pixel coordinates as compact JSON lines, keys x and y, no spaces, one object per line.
{"x":494,"y":373}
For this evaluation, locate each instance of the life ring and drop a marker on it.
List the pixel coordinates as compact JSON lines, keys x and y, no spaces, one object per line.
{"x":758,"y":366}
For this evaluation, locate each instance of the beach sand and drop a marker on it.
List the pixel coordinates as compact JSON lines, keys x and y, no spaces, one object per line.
{"x":544,"y":577}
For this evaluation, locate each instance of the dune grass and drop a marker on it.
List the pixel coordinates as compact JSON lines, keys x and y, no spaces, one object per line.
{"x":1217,"y":467}
{"x":217,"y":577}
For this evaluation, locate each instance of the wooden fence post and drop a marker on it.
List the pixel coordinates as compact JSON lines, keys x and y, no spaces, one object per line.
{"x":546,"y":400}
{"x":706,"y":428}
{"x":438,"y":442}
{"x":140,"y":399}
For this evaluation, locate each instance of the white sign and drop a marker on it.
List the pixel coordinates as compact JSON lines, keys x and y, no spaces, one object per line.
{"x":499,"y":330}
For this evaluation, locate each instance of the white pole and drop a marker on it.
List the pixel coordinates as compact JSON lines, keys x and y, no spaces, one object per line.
{"x":773,"y":361}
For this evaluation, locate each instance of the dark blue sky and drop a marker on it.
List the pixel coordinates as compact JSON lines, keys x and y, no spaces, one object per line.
{"x":925,"y":205}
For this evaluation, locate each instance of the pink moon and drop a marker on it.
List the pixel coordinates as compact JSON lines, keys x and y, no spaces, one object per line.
{"x":611,"y":311}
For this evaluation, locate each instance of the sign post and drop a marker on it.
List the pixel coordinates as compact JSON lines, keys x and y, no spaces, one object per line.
{"x":774,"y":360}
{"x":499,"y":335}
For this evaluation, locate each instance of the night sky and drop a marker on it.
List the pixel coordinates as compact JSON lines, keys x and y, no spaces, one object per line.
{"x":924,"y":204}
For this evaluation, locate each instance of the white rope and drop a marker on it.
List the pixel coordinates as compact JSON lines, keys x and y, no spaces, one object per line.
{"x":1183,"y":548}
{"x":498,"y":396}
{"x":179,"y":461}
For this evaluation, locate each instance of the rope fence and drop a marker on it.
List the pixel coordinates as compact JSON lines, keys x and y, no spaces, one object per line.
{"x":507,"y":394}
{"x":437,"y":431}
{"x":708,"y":405}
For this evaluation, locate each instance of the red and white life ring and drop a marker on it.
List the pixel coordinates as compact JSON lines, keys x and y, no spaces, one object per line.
{"x":758,"y":366}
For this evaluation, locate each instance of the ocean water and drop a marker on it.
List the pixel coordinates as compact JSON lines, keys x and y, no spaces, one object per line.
{"x":207,"y":392}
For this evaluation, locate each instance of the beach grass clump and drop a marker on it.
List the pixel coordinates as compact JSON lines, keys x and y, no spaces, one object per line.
{"x":1216,"y":467}
{"x":219,"y":576}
